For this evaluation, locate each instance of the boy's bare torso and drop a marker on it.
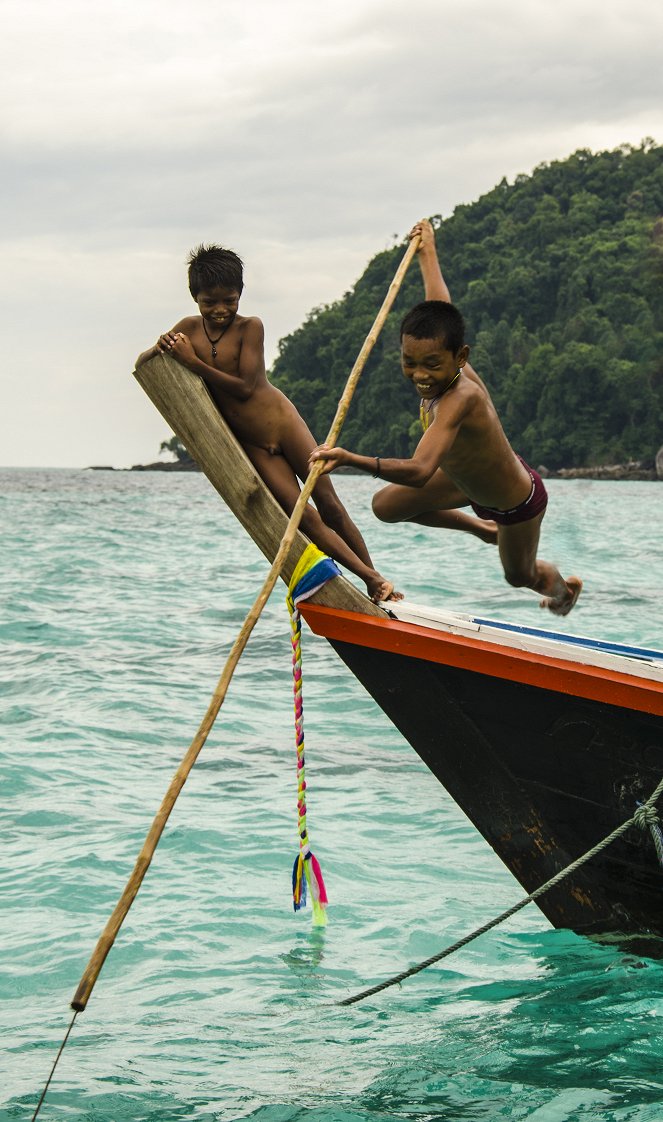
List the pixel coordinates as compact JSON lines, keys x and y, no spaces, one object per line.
{"x":262,"y":419}
{"x":480,"y":459}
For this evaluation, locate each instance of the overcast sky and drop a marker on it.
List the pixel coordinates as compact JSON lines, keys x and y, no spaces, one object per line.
{"x":304,"y":136}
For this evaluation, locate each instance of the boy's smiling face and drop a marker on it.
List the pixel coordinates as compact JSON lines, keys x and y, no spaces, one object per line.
{"x":218,"y":305}
{"x":429,"y":365}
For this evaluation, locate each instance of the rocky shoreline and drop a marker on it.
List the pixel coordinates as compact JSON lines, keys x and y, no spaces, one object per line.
{"x":633,"y":470}
{"x":169,"y":465}
{"x":159,"y":465}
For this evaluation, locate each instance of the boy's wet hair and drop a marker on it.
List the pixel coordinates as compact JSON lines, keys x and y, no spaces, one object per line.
{"x":436,"y":319}
{"x":211,"y":266}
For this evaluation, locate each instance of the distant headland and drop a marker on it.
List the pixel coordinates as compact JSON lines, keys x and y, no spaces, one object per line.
{"x":182,"y":462}
{"x":648,"y":469}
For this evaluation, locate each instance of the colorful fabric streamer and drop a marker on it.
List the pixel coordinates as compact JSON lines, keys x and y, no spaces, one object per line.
{"x":312,"y":571}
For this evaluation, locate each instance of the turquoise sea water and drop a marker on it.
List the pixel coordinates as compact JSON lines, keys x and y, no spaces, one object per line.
{"x":121,"y":594}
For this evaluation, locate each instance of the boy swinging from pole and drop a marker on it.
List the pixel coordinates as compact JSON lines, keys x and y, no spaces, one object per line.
{"x":463,"y":457}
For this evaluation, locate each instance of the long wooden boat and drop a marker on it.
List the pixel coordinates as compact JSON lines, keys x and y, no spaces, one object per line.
{"x":547,"y":742}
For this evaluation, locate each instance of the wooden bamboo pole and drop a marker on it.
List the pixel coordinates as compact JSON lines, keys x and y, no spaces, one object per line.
{"x":108,"y":935}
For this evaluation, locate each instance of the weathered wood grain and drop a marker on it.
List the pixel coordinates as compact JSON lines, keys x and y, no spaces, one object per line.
{"x":186,"y":405}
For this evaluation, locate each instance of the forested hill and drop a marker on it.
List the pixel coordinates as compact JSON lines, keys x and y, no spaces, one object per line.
{"x":560,"y":278}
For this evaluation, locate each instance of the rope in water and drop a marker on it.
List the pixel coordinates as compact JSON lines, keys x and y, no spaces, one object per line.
{"x":55,"y":1064}
{"x":645,"y":817}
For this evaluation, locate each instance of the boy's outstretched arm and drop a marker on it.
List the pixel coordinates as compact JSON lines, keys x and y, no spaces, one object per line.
{"x":415,"y":472}
{"x":435,"y":286}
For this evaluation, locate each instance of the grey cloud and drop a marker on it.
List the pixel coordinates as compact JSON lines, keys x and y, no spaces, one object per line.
{"x":303,"y":143}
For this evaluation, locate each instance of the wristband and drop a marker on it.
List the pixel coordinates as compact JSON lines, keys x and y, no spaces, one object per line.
{"x":376,"y":473}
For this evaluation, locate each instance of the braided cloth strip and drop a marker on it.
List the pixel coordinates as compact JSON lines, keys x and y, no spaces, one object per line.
{"x":312,"y":571}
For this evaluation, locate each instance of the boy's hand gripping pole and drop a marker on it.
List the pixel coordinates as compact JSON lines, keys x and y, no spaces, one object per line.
{"x":108,"y":935}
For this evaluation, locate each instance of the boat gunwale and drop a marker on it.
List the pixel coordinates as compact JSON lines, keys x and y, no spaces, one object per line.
{"x":557,"y":674}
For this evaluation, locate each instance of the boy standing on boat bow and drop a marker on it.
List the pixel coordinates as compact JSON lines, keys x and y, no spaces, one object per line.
{"x":463,"y":456}
{"x":227,"y":351}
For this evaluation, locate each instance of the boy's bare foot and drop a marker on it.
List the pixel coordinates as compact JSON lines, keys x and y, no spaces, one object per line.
{"x":381,"y":589}
{"x":561,"y":605}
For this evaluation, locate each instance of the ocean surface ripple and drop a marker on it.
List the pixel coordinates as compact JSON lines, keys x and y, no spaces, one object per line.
{"x":121,"y":594}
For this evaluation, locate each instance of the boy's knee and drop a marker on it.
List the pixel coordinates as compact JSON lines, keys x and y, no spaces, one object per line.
{"x":382,"y":508}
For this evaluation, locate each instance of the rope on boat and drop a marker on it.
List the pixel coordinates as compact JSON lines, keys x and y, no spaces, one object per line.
{"x":642,"y":818}
{"x":647,"y":818}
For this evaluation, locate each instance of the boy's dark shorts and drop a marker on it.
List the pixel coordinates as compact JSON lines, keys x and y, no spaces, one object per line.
{"x":534,"y":504}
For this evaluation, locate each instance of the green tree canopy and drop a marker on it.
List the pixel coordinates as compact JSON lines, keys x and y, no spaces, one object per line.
{"x":560,"y":279}
{"x":175,"y":446}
